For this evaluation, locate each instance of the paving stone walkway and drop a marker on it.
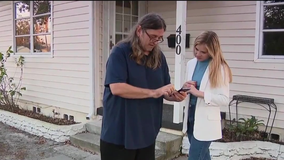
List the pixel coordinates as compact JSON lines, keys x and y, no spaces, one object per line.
{"x":67,"y":152}
{"x":19,"y":145}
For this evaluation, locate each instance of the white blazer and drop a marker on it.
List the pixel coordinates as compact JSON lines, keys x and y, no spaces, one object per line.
{"x":207,"y":124}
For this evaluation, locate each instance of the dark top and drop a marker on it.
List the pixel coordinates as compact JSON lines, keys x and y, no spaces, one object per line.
{"x":134,"y":123}
{"x":197,"y":76}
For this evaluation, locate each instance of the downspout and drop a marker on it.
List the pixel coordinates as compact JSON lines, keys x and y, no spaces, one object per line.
{"x":92,"y":68}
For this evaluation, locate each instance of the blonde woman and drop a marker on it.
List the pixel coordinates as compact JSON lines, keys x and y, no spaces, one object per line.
{"x":208,"y":76}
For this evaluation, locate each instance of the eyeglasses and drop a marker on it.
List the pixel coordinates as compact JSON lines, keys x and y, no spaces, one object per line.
{"x":154,"y":38}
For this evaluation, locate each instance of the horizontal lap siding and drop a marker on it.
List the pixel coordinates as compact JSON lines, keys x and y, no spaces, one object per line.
{"x":5,"y":26}
{"x":62,"y":81}
{"x":235,"y":23}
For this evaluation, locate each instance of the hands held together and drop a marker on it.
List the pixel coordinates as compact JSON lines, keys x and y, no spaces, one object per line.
{"x":170,"y":91}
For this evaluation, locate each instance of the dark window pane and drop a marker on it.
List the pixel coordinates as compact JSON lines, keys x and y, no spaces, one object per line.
{"x":277,"y":1}
{"x":134,"y":20}
{"x":274,"y":17}
{"x":118,"y":23}
{"x":127,"y":23}
{"x":22,"y":26}
{"x":42,"y":24}
{"x":42,"y":7}
{"x":127,"y":7}
{"x":22,"y":9}
{"x":118,"y":8}
{"x":273,"y":43}
{"x":118,"y":37}
{"x":42,"y":43}
{"x":135,"y":8}
{"x":23,"y":44}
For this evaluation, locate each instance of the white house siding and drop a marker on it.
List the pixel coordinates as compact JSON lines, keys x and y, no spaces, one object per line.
{"x":61,"y":81}
{"x":235,"y":24}
{"x":5,"y":25}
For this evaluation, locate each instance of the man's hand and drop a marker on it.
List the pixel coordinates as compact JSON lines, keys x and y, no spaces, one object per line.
{"x":179,"y":96}
{"x":176,"y":96}
{"x":165,"y":90}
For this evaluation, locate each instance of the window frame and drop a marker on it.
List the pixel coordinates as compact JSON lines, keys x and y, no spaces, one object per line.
{"x":31,"y":54}
{"x":258,"y":57}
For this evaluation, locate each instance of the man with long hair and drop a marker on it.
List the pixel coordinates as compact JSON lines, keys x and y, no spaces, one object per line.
{"x":137,"y":80}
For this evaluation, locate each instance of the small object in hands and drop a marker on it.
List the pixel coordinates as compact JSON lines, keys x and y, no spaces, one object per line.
{"x":183,"y":89}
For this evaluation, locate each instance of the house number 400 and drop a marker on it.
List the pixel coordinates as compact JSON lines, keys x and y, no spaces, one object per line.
{"x":178,"y":40}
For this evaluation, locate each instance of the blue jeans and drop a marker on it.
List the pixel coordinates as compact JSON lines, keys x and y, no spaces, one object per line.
{"x":199,"y":150}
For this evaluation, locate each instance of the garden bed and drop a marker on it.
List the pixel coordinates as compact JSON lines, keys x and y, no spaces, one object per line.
{"x":243,"y":143}
{"x":244,"y":150}
{"x":254,"y":136}
{"x":28,"y":122}
{"x":31,"y":114}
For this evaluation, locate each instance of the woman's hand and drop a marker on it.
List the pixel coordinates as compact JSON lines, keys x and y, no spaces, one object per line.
{"x":188,"y":84}
{"x":192,"y":90}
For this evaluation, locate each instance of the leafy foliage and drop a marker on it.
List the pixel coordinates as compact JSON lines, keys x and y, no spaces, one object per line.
{"x":9,"y":90}
{"x":246,"y":127}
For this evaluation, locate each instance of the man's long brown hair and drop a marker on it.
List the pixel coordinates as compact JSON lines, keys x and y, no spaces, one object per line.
{"x":148,"y":21}
{"x":211,"y":42}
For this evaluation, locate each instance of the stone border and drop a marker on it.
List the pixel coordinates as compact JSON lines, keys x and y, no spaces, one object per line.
{"x":58,"y":133}
{"x":241,"y":150}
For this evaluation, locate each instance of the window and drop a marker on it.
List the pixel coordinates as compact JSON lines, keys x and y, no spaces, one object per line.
{"x":32,"y":27}
{"x":125,"y":18}
{"x":271,"y":30}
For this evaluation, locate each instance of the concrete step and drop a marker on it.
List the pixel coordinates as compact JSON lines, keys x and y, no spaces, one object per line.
{"x":91,"y":142}
{"x":167,"y":145}
{"x":170,"y":144}
{"x":87,"y":141}
{"x":94,"y":127}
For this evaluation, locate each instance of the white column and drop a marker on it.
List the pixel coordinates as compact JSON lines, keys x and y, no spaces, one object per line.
{"x":180,"y":56}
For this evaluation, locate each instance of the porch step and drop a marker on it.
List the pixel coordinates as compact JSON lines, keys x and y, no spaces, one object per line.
{"x":167,"y":145}
{"x":87,"y":141}
{"x":91,"y":142}
{"x":170,"y":144}
{"x":94,"y":127}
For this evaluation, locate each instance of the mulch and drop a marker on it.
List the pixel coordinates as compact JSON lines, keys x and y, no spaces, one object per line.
{"x":31,"y":114}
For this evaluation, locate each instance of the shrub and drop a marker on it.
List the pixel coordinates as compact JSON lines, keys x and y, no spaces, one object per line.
{"x":10,"y":91}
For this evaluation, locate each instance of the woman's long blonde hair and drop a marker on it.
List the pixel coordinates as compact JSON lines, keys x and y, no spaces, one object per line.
{"x":148,"y":21}
{"x":212,"y":44}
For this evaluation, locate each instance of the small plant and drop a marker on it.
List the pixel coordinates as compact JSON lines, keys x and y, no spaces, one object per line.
{"x":246,"y":128}
{"x":9,"y":90}
{"x":250,"y":125}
